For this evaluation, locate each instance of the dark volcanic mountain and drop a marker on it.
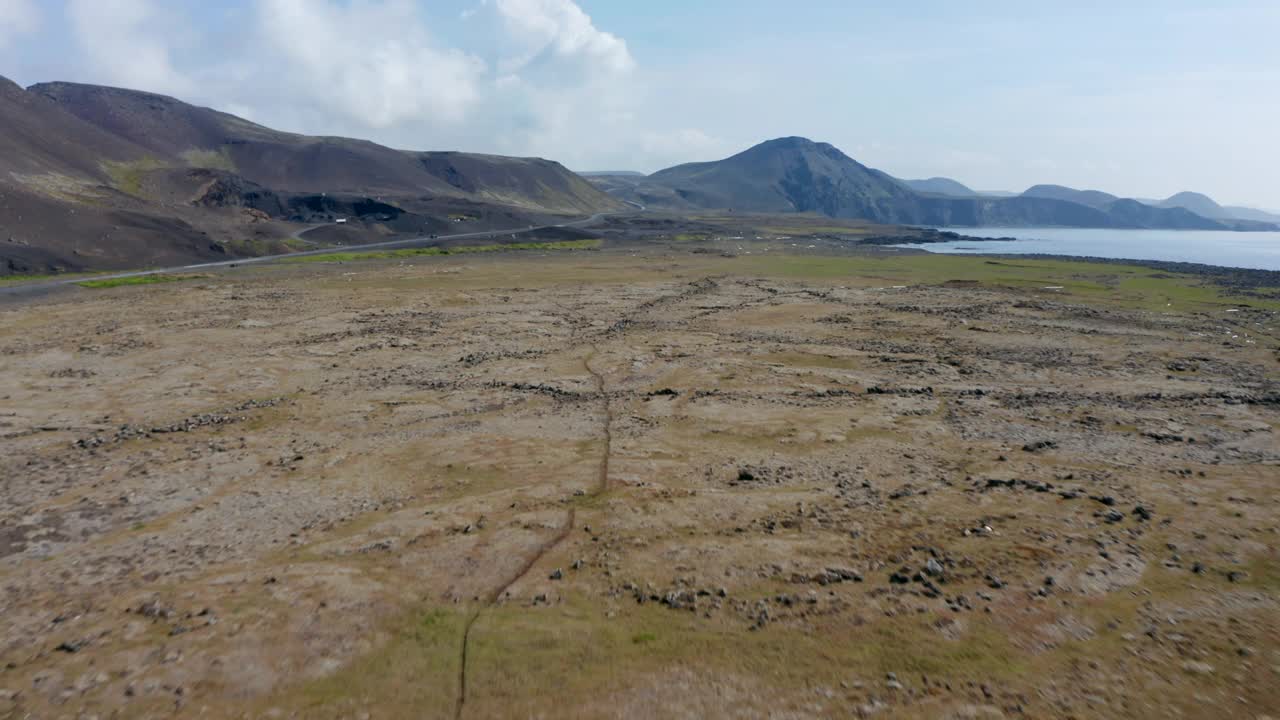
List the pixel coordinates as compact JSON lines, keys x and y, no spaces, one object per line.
{"x":94,"y":178}
{"x":36,"y":135}
{"x":59,"y":207}
{"x":790,"y":175}
{"x":798,"y":175}
{"x":174,"y":130}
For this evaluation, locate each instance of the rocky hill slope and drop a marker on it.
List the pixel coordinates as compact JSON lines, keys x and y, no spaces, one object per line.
{"x":95,"y":177}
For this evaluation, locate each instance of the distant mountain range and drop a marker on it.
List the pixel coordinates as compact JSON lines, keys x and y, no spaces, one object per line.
{"x":1092,"y":198}
{"x":940,"y":186}
{"x":1200,"y":204}
{"x":94,"y":177}
{"x":97,"y":178}
{"x":1248,"y":213}
{"x":798,"y":175}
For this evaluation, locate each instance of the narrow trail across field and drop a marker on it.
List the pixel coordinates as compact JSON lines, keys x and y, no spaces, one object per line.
{"x":606,"y":456}
{"x":602,"y":486}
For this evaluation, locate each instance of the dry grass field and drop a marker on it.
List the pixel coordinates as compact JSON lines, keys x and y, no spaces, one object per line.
{"x":641,"y":483}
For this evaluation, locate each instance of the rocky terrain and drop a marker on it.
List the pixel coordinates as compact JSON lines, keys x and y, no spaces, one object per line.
{"x":644,"y":481}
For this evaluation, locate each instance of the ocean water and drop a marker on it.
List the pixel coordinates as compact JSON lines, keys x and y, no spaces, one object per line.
{"x":1256,"y":250}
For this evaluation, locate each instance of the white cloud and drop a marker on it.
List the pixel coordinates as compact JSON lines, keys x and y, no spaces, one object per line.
{"x":567,"y":88}
{"x":17,"y":17}
{"x":560,"y":28}
{"x":553,"y":84}
{"x":540,"y":77}
{"x":681,"y":145}
{"x":326,"y":55}
{"x":125,"y":45}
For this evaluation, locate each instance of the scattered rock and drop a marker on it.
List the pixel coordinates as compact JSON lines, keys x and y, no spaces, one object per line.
{"x":72,"y":646}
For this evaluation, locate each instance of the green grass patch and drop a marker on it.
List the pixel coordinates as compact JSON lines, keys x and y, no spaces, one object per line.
{"x":413,"y":674}
{"x":261,"y":246}
{"x":434,"y":251}
{"x":15,"y":279}
{"x":516,"y":653}
{"x":218,"y":159}
{"x":127,"y":176}
{"x":815,"y":230}
{"x":136,"y":280}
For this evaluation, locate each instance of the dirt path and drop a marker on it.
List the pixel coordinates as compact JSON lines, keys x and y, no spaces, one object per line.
{"x":497,"y":593}
{"x":606,"y":456}
{"x":602,"y":487}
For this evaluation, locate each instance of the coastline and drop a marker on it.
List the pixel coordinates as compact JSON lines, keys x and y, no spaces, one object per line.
{"x":1226,"y":276}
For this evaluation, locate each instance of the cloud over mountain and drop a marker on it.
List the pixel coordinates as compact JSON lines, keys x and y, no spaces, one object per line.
{"x":121,"y":41}
{"x":533,"y":77}
{"x":1156,"y":105}
{"x":561,"y":29}
{"x":376,"y":79}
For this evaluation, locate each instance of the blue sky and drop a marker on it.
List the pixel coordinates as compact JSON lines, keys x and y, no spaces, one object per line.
{"x":1137,"y":98}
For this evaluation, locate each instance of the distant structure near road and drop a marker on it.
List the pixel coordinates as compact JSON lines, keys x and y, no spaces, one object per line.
{"x":341,"y":221}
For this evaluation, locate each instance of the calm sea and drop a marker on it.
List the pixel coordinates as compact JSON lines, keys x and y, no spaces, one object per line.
{"x":1257,"y":250}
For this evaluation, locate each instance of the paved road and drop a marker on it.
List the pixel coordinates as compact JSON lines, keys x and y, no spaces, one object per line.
{"x":38,"y":288}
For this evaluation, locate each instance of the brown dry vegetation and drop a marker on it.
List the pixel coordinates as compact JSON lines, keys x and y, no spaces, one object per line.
{"x":289,"y":491}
